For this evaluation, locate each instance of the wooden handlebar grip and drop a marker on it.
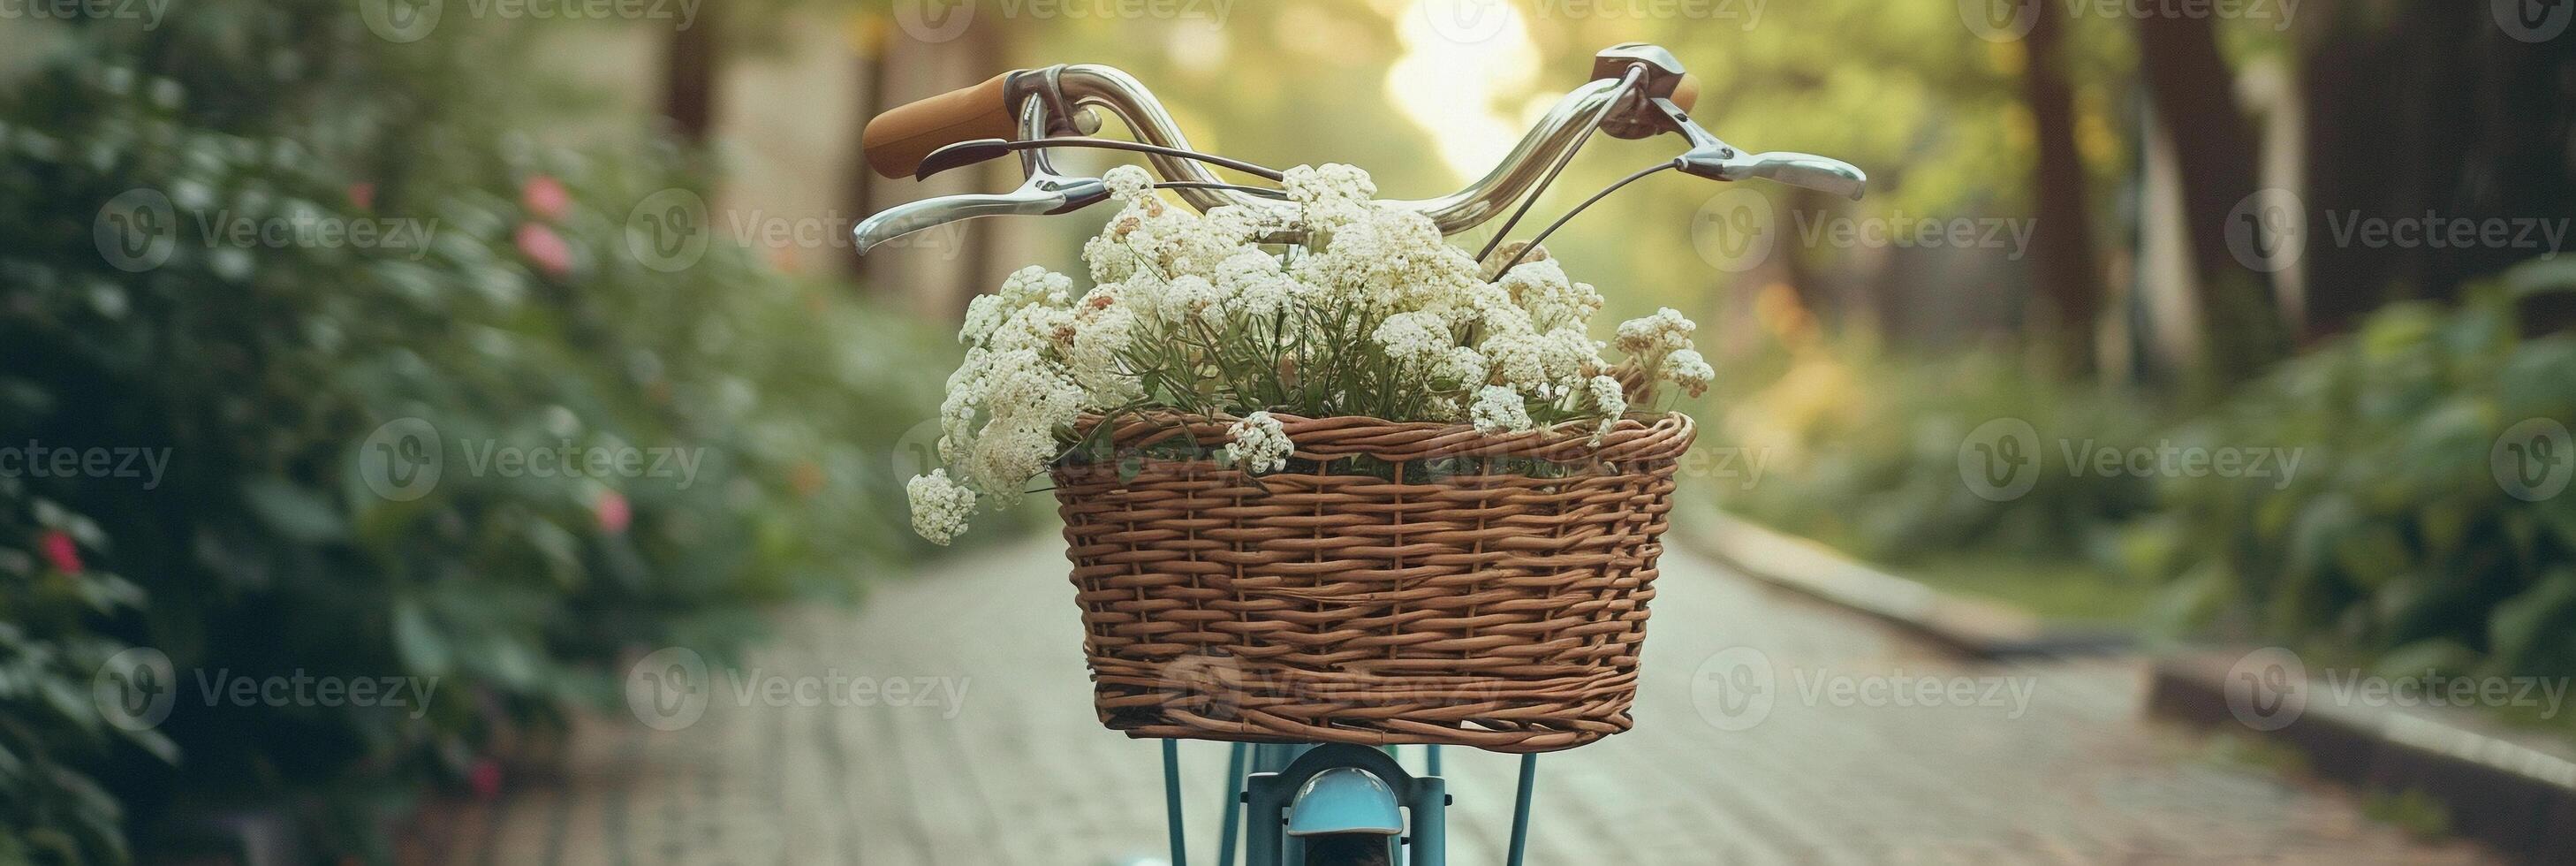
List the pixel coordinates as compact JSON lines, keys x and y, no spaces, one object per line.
{"x":1686,"y":91}
{"x":895,"y":142}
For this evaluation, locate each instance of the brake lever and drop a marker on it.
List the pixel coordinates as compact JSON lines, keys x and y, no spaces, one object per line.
{"x":1042,"y":195}
{"x":1714,"y":159}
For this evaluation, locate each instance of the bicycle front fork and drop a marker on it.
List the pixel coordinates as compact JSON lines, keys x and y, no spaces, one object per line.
{"x":1286,"y":794}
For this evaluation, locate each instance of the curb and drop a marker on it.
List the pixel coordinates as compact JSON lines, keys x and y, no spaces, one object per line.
{"x":1964,"y":626}
{"x":2497,"y":789}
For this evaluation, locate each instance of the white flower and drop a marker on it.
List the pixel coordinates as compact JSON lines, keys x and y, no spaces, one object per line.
{"x":1259,"y":444}
{"x":940,"y":507}
{"x":1611,"y":400}
{"x":1328,"y":195}
{"x":1686,"y":368}
{"x":1568,"y":354}
{"x":1187,"y":296}
{"x":1664,"y":331}
{"x":1518,"y":358}
{"x":1499,"y":409}
{"x":1462,"y":365}
{"x":1552,"y":301}
{"x":1415,"y":338}
{"x":1128,"y":183}
{"x":1025,"y":287}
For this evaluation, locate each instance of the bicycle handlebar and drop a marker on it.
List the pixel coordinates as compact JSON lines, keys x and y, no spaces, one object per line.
{"x":895,"y":142}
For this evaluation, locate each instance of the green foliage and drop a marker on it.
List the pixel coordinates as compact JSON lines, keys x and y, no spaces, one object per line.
{"x":265,"y":367}
{"x":1864,"y":451}
{"x":2406,"y":542}
{"x":52,"y":808}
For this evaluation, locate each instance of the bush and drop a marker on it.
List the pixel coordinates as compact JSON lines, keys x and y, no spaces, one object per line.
{"x":268,"y":372}
{"x":1865,"y":451}
{"x":2410,"y":542}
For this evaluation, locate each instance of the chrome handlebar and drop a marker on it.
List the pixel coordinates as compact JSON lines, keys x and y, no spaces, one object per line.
{"x":1107,"y":88}
{"x":1607,"y":103}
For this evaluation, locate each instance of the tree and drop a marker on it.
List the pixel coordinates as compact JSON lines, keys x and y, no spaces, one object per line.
{"x":2070,"y":278}
{"x":2193,"y":93}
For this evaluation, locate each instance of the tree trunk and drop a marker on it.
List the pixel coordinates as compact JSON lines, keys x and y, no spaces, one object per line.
{"x":2063,"y":262}
{"x":689,"y":76}
{"x":2476,"y":126}
{"x":2193,"y":92}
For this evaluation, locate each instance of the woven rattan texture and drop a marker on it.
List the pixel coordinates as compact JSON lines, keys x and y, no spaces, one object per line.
{"x":1500,"y":611}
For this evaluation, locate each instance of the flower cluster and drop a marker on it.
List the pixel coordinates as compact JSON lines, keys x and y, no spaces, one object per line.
{"x":1368,"y":311}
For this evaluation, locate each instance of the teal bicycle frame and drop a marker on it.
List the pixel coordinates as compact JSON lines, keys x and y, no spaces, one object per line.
{"x":1280,"y":795}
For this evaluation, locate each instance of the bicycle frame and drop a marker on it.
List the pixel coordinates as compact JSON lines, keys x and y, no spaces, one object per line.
{"x":1272,"y":797}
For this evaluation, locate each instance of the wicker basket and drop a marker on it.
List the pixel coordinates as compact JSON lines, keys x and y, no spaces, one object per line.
{"x":1472,"y":607}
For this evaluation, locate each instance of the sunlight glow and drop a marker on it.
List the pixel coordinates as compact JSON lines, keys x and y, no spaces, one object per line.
{"x":1451,"y":86}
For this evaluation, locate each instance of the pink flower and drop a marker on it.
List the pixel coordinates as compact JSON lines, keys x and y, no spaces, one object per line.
{"x":61,"y":551}
{"x":545,"y":198}
{"x":363,"y":195}
{"x":545,"y":248}
{"x":484,"y":778}
{"x":614,"y":512}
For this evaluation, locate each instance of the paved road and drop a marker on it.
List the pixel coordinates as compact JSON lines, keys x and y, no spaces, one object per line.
{"x":1770,"y":730}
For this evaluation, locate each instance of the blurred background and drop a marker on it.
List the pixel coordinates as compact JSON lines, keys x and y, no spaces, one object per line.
{"x":587,"y":266}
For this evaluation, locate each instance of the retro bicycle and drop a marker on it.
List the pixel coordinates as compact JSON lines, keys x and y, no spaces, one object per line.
{"x":1548,"y":657}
